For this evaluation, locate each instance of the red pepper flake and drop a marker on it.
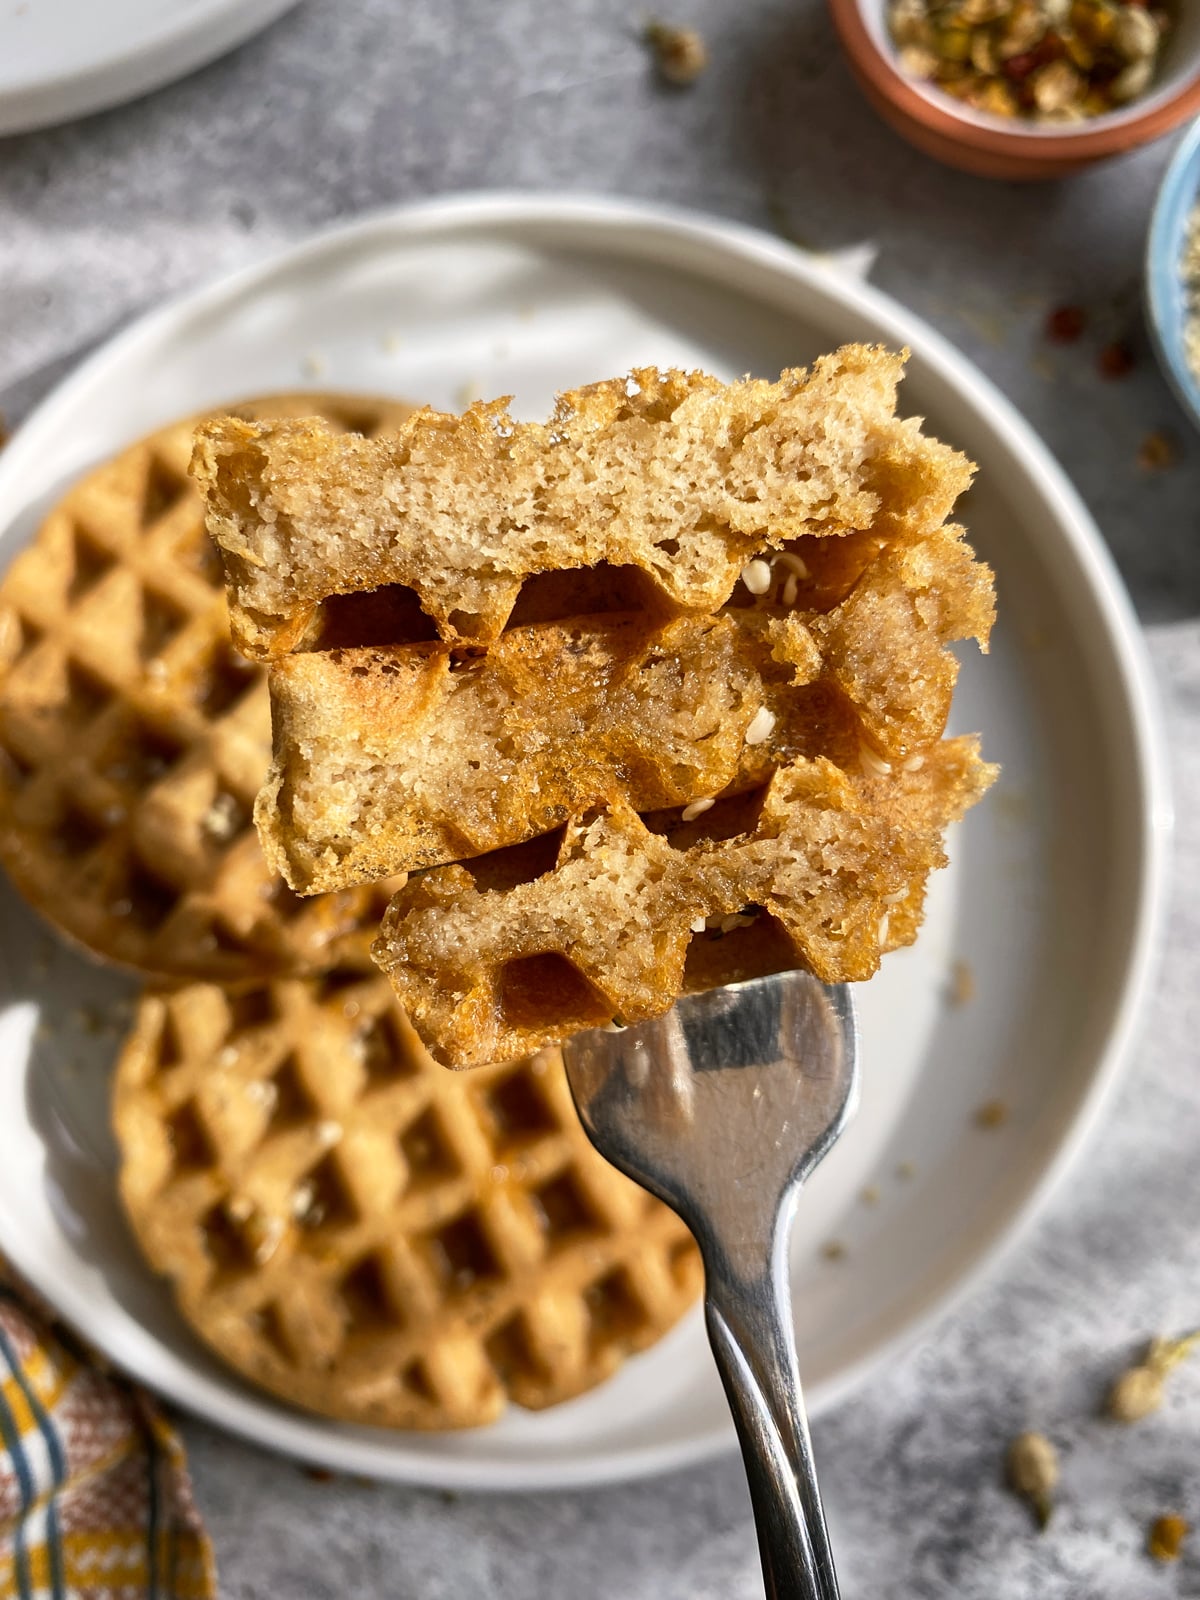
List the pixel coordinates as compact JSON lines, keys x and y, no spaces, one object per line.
{"x":1018,"y":67}
{"x":318,"y":1474}
{"x":1115,"y":360}
{"x":1065,"y":324}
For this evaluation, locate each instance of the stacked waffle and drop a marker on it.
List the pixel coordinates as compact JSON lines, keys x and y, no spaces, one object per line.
{"x":344,"y":1222}
{"x":646,"y":699}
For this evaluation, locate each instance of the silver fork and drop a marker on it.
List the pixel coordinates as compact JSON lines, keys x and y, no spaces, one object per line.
{"x":722,"y":1108}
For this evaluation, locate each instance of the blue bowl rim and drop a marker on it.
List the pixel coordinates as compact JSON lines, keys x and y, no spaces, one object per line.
{"x":1166,"y":309}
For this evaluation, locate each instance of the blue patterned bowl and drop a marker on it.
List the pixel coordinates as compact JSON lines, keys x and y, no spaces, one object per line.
{"x":1166,"y":308}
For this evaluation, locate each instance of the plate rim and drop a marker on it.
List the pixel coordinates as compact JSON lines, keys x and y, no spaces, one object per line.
{"x":294,"y":1433}
{"x":197,"y":39}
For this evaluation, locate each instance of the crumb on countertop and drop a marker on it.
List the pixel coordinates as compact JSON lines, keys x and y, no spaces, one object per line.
{"x":1164,"y":1539}
{"x":1138,"y":1392}
{"x":1031,"y":1471}
{"x":1156,"y":451}
{"x":680,"y":54}
{"x":833,"y":1250}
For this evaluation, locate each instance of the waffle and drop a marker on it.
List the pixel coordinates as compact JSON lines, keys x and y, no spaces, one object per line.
{"x":390,"y":759}
{"x":133,"y":738}
{"x":615,"y":917}
{"x":369,"y":1236}
{"x":674,"y":478}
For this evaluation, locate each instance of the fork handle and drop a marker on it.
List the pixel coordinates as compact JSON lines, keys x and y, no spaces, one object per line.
{"x":750,"y":1330}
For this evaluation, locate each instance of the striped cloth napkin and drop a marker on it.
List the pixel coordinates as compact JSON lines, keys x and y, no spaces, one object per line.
{"x":95,"y":1500}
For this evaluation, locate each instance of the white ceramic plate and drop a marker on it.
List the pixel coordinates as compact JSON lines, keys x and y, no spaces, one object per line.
{"x":1050,"y":902}
{"x":64,"y":58}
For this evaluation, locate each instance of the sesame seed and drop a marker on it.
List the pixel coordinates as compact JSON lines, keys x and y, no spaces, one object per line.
{"x":895,"y":898}
{"x":762,"y":725}
{"x":698,"y":924}
{"x":884,"y":924}
{"x":271,"y":1234}
{"x":871,"y":762}
{"x":795,"y":564}
{"x":790,"y":590}
{"x":736,"y":919}
{"x":756,"y":575}
{"x":914,"y":763}
{"x":697,"y":809}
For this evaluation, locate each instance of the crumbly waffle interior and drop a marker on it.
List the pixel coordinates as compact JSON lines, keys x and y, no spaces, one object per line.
{"x":134,"y":738}
{"x":368,"y":1235}
{"x":390,"y":759}
{"x":674,"y":474}
{"x":617,"y":915}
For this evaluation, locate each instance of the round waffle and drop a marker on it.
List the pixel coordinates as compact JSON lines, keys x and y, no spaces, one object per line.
{"x":133,"y":738}
{"x":370,"y":1236}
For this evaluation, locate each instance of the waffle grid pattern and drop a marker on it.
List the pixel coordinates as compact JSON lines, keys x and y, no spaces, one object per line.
{"x":133,"y":738}
{"x":371,"y":1236}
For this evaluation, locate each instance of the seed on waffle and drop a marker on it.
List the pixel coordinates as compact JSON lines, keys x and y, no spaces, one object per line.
{"x":133,"y":738}
{"x":614,"y":917}
{"x":674,"y":476}
{"x":369,"y":1236}
{"x":394,"y":758}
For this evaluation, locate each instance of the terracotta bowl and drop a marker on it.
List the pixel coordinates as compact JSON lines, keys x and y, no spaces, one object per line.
{"x":995,"y":147}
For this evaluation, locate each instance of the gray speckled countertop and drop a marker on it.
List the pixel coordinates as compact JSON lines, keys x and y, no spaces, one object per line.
{"x":344,"y":106}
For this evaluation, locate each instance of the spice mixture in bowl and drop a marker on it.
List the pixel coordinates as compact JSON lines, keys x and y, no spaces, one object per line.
{"x":1051,"y":60}
{"x":1025,"y":88}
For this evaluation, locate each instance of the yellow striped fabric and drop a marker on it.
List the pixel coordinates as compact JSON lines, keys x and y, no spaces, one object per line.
{"x":95,"y":1500}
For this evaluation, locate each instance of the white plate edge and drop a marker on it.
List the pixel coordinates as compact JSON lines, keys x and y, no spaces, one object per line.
{"x":116,"y":79}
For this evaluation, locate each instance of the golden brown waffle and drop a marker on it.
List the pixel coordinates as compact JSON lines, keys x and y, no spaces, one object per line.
{"x":675,"y":476}
{"x":690,"y":680}
{"x":372,"y":1237}
{"x":613,"y":919}
{"x":133,"y":738}
{"x":389,"y":759}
